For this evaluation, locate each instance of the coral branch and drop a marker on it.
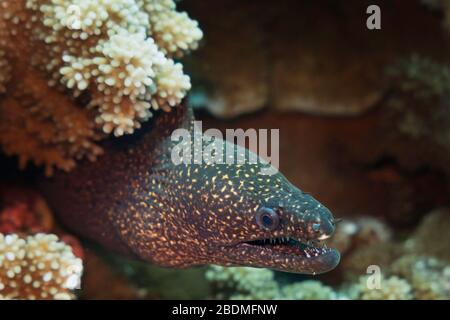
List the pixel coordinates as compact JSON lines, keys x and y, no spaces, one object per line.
{"x":38,"y":267}
{"x":85,"y":69}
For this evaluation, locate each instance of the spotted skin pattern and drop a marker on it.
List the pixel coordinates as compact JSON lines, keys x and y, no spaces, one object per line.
{"x":136,"y":201}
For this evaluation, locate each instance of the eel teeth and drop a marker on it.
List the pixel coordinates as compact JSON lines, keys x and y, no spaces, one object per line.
{"x":308,"y":248}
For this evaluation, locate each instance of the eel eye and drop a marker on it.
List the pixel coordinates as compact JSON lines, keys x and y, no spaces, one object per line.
{"x":316,"y":227}
{"x":267,"y":219}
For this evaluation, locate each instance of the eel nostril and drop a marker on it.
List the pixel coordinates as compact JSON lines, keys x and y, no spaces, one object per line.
{"x":325,"y":229}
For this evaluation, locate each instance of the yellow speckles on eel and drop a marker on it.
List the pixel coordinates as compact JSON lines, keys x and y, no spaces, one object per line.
{"x":182,"y":215}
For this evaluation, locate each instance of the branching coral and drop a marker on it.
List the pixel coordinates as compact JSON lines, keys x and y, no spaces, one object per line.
{"x":429,"y":277}
{"x":432,"y":237}
{"x":364,"y":241}
{"x":421,"y":82}
{"x":353,"y":233}
{"x":38,"y":267}
{"x":309,"y":290}
{"x":85,"y":69}
{"x":243,"y":282}
{"x":392,"y":288}
{"x":419,"y":106}
{"x":357,"y":261}
{"x":44,"y":126}
{"x":250,"y":283}
{"x":173,"y":31}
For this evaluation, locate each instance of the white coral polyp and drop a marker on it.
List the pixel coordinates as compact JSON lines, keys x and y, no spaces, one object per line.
{"x":105,"y":53}
{"x":171,"y":86}
{"x":120,"y":115}
{"x":92,"y":17}
{"x":157,"y":5}
{"x":175,"y":32}
{"x":76,"y":75}
{"x":37,"y":267}
{"x":128,"y":63}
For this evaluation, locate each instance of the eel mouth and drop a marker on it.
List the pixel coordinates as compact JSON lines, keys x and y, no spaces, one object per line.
{"x":289,"y":254}
{"x":291,"y":246}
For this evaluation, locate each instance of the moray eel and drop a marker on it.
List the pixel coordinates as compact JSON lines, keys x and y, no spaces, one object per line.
{"x":136,"y":201}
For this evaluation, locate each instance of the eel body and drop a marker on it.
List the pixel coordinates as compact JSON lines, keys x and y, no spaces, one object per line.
{"x":136,"y":201}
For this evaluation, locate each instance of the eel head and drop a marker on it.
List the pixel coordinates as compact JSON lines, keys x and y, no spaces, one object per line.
{"x":284,"y":229}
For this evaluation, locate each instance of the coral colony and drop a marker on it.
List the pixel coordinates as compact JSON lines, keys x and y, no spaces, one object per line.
{"x":84,"y":70}
{"x":37,"y":267}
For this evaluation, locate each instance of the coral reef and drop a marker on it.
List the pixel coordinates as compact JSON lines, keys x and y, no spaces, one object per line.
{"x":416,"y":121}
{"x":37,"y":259}
{"x":363,"y":241}
{"x":383,"y":254}
{"x":37,"y":267}
{"x":258,"y":71}
{"x":174,"y":32}
{"x":85,"y":69}
{"x":432,"y":237}
{"x":392,"y":288}
{"x":428,"y":276}
{"x":243,"y":283}
{"x":251,"y":283}
{"x":410,"y":277}
{"x":310,"y":290}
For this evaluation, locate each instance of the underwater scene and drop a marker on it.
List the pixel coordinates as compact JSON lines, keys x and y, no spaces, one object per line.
{"x":225,"y":149}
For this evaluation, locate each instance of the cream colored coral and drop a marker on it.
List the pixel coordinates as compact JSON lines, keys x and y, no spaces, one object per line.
{"x":37,"y":267}
{"x":392,"y":288}
{"x":173,"y":31}
{"x":44,"y":127}
{"x":83,"y":18}
{"x":429,"y":277}
{"x":309,"y":290}
{"x":122,"y":71}
{"x":118,"y":66}
{"x":171,"y":86}
{"x":243,"y":282}
{"x":100,"y":65}
{"x":254,"y":283}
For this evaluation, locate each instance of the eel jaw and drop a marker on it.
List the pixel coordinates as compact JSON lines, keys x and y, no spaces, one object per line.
{"x":285,"y":254}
